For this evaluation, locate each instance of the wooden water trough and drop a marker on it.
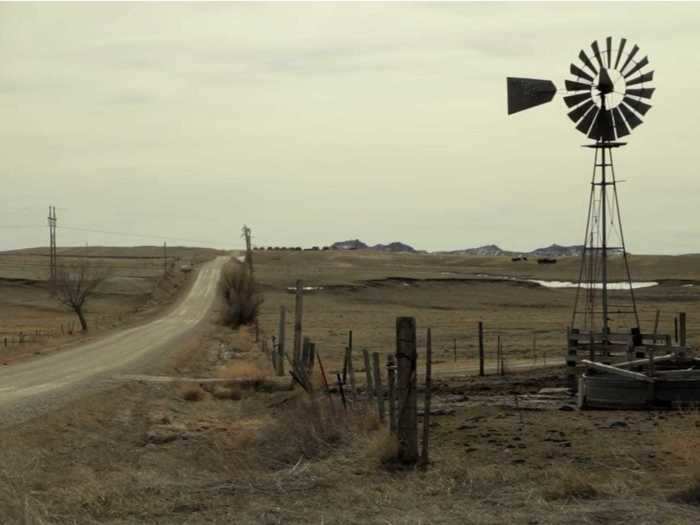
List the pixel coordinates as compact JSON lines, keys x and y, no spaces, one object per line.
{"x":667,"y":381}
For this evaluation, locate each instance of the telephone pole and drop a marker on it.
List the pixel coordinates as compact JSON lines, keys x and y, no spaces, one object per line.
{"x":165,"y":258}
{"x":52,"y":245}
{"x":248,"y":250}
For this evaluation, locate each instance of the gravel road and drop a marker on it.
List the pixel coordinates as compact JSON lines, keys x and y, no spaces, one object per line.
{"x":29,"y":388}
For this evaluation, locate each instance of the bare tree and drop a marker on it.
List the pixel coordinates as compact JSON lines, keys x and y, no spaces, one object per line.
{"x":75,"y":284}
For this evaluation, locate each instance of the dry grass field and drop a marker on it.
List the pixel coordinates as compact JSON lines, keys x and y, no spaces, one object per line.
{"x":365,"y":291}
{"x":135,"y":287}
{"x":184,"y":452}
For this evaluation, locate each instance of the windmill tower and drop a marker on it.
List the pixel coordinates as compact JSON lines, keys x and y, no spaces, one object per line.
{"x":607,"y":98}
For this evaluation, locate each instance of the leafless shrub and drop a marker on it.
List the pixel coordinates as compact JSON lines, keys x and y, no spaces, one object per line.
{"x":241,"y":294}
{"x":75,"y":284}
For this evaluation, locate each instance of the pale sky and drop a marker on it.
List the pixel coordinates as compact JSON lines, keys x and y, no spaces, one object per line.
{"x":314,"y":123}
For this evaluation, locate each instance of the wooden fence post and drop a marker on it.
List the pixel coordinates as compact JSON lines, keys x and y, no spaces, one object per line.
{"x":298,"y":320}
{"x":391,"y":387}
{"x":681,"y":328}
{"x":280,"y":340}
{"x":368,"y":373}
{"x":350,"y":367}
{"x":481,"y":349}
{"x":454,"y":347}
{"x":378,"y":391}
{"x":406,"y":357}
{"x":675,"y":329}
{"x":425,"y":456}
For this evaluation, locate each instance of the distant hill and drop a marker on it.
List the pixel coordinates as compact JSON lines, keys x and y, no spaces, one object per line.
{"x":393,"y":247}
{"x":556,"y":250}
{"x":491,"y":250}
{"x":357,"y":244}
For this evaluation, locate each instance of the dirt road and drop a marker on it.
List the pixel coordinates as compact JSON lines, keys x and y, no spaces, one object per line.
{"x":34,"y":385}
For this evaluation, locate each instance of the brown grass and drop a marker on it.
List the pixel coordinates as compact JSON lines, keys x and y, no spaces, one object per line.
{"x":243,"y":370}
{"x":191,"y":392}
{"x":233,"y":392}
{"x":680,"y":447}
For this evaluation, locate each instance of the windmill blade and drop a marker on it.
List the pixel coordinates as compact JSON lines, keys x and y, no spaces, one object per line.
{"x":580,"y":111}
{"x":629,"y":58}
{"x":641,"y":92}
{"x":608,"y":43}
{"x":623,"y":41}
{"x":596,"y":53}
{"x":637,"y":105}
{"x":632,"y":119}
{"x":646,"y":77}
{"x":525,"y":93}
{"x":575,"y":70}
{"x":587,"y":121}
{"x":577,"y":86}
{"x":639,"y":65}
{"x":621,"y":129}
{"x":574,"y":100}
{"x":587,"y":62}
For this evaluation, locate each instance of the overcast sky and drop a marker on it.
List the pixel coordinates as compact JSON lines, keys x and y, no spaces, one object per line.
{"x":321,"y":122}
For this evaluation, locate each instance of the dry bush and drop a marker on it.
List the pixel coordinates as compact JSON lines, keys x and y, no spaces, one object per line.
{"x":314,"y":428}
{"x":241,"y":294}
{"x":191,"y":392}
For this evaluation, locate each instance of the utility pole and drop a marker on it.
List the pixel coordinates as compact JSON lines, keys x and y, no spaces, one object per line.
{"x":248,"y":250}
{"x":165,"y":258}
{"x":52,"y":246}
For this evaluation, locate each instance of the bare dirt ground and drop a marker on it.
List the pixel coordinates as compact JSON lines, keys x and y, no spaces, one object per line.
{"x":150,"y":452}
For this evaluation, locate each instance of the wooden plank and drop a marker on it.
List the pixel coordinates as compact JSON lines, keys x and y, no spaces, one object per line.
{"x":617,"y":371}
{"x":640,"y":362}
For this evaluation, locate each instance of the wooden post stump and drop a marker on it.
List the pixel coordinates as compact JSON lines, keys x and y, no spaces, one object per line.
{"x":425,"y":454}
{"x":391,"y":388}
{"x":378,"y":391}
{"x":368,"y":374}
{"x":298,"y":320}
{"x":406,"y":357}
{"x":481,"y":349}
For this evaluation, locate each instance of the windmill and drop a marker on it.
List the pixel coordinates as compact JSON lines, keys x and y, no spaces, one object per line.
{"x":607,"y":97}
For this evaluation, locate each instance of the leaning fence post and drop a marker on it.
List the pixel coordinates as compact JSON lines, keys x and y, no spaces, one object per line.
{"x":378,"y":385}
{"x":368,"y":373}
{"x":481,"y":349}
{"x":406,"y":357}
{"x":425,"y":456}
{"x":298,"y":319}
{"x":280,"y":341}
{"x":349,"y":366}
{"x":391,"y":387}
